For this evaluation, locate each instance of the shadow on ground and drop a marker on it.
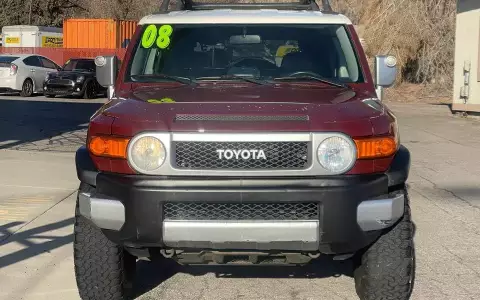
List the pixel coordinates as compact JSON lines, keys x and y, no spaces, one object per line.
{"x":151,"y":274}
{"x":27,"y":121}
{"x":35,"y":241}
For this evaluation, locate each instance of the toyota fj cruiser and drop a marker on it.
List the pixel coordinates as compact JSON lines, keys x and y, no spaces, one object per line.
{"x":247,"y":133}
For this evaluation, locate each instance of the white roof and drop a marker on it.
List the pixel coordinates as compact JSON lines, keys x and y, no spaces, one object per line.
{"x":16,"y":28}
{"x":235,"y":16}
{"x":16,"y":55}
{"x":20,"y":56}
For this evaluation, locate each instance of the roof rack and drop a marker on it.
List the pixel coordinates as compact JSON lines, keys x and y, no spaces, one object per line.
{"x":300,"y":5}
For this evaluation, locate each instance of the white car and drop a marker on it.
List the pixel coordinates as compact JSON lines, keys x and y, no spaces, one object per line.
{"x":24,"y":73}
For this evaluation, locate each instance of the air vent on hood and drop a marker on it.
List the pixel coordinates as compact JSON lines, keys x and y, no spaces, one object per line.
{"x":239,"y":118}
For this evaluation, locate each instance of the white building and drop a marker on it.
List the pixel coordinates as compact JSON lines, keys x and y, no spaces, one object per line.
{"x":466,"y":89}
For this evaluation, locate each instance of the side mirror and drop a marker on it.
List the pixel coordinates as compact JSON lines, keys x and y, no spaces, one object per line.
{"x":385,"y":73}
{"x":106,"y":72}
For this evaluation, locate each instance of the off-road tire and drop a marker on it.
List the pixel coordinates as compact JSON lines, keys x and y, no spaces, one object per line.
{"x":386,"y":270}
{"x":27,"y":88}
{"x":103,"y":270}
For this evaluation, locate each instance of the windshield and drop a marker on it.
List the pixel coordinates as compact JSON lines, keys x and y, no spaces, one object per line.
{"x":79,"y":65}
{"x":264,"y":52}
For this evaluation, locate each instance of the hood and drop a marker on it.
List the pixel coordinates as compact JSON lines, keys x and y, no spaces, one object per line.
{"x":242,"y":108}
{"x":69,"y":74}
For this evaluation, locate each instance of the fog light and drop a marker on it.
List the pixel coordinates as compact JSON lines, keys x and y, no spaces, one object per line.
{"x":45,"y":88}
{"x":78,"y":89}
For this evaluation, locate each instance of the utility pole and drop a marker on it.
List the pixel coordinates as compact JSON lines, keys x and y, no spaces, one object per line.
{"x":30,"y":14}
{"x":326,"y":5}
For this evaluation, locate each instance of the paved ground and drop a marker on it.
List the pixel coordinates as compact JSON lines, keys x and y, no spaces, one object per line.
{"x":37,"y":182}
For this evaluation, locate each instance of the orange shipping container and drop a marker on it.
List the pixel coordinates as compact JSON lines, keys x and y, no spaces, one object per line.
{"x":97,"y":33}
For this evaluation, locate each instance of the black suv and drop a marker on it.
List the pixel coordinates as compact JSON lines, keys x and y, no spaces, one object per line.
{"x":76,"y":78}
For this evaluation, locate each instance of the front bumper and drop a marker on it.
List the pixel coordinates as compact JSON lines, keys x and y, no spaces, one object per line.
{"x":353,"y":210}
{"x":63,"y":89}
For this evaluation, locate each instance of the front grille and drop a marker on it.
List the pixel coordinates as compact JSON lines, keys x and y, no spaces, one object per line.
{"x":58,"y":90}
{"x":57,"y":81}
{"x":278,"y":155}
{"x":240,"y":211}
{"x":238,"y":118}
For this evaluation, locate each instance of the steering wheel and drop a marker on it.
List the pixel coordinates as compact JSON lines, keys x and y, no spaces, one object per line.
{"x":307,"y":73}
{"x":253,"y":61}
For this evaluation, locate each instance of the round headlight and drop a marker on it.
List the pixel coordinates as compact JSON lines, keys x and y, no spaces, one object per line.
{"x":336,"y":154}
{"x":147,"y":154}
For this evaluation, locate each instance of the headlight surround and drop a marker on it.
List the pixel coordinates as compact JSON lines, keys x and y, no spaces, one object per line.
{"x":47,"y":77}
{"x":80,"y":79}
{"x":146,"y":154}
{"x":336,"y":154}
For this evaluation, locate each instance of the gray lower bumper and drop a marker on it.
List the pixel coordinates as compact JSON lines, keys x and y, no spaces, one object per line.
{"x":381,"y":213}
{"x":260,"y":235}
{"x":283,"y":235}
{"x":105,"y":213}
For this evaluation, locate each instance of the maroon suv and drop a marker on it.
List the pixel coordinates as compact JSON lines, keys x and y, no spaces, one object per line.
{"x":244,"y":135}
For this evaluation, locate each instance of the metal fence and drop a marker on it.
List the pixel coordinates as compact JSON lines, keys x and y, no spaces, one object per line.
{"x":61,"y":55}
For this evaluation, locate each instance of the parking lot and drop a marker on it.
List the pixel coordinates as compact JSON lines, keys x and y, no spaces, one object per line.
{"x":38,"y":138}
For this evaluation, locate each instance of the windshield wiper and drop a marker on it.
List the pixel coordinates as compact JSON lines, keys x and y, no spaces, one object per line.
{"x":230,"y":77}
{"x":313,"y":77}
{"x":184,"y":80}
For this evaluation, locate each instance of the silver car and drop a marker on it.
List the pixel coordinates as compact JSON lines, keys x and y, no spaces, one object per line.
{"x":24,"y":73}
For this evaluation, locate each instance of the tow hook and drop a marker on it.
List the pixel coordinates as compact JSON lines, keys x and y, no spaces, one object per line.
{"x":168,"y":253}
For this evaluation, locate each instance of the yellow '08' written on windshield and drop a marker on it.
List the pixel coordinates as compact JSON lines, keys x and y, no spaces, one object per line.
{"x":159,"y":36}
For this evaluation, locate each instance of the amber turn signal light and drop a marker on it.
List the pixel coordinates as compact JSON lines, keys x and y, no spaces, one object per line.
{"x":108,"y":146}
{"x":375,"y":147}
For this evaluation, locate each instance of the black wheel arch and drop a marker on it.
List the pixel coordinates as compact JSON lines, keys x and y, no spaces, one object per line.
{"x":399,"y":168}
{"x":86,"y":170}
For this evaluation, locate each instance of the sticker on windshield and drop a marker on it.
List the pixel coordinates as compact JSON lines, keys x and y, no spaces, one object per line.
{"x":163,"y":100}
{"x":164,"y":34}
{"x":160,"y":36}
{"x":149,"y":36}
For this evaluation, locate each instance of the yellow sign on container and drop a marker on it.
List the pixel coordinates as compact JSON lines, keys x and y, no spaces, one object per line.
{"x":12,"y":40}
{"x":52,"y":42}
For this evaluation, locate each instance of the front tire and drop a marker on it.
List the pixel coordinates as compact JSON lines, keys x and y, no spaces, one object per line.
{"x":386,"y":270}
{"x":90,"y":90}
{"x":103,"y":270}
{"x":27,"y":88}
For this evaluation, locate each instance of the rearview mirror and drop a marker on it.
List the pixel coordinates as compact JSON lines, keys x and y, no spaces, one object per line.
{"x":385,"y":73}
{"x":245,"y":39}
{"x":106,"y":72}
